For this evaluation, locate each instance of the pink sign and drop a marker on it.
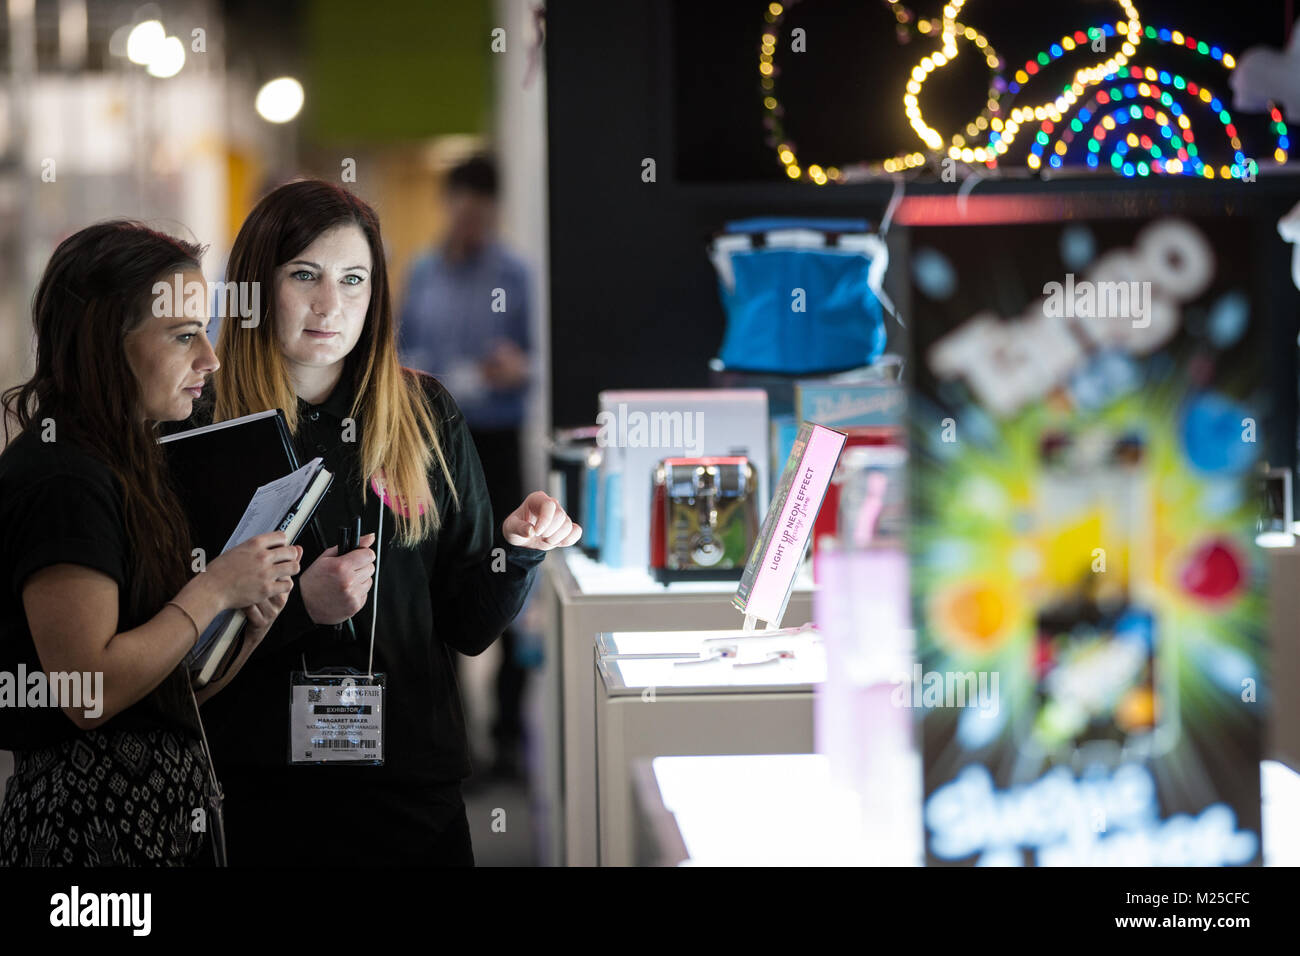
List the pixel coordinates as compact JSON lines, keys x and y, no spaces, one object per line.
{"x":766,"y":585}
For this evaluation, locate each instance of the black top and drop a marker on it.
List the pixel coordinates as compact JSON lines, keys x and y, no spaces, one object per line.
{"x":60,"y":505}
{"x":435,"y":598}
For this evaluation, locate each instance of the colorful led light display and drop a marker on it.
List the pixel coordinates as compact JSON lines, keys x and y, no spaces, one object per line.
{"x":986,"y":138}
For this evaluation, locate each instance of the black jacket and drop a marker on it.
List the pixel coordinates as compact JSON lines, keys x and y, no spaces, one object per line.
{"x":441,"y":596}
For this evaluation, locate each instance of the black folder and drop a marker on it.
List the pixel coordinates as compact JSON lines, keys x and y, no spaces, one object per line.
{"x":216,"y":469}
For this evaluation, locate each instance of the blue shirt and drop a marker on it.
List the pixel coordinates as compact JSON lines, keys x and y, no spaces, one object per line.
{"x":450,"y":316}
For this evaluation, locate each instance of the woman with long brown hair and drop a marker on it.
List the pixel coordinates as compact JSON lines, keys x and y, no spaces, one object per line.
{"x":450,"y":575}
{"x":94,"y":555}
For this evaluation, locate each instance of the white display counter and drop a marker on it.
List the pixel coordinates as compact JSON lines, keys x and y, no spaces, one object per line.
{"x":589,"y":599}
{"x":697,"y":692}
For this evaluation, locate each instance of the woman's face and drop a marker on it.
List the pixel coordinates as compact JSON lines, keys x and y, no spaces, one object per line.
{"x":169,"y":353}
{"x":321,"y":298}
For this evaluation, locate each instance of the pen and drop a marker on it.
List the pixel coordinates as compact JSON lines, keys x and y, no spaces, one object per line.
{"x":349,"y":535}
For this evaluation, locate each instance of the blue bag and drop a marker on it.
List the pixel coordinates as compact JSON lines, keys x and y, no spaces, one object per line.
{"x":802,"y":296}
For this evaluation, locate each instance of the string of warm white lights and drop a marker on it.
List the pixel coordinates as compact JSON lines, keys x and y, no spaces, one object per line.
{"x":989,"y":135}
{"x":822,"y":174}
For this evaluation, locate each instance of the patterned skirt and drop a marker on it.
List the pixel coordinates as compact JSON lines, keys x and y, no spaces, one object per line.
{"x":108,"y":798}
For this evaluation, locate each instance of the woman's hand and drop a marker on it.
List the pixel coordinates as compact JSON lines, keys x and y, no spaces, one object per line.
{"x":262,"y":615}
{"x":258,"y":569}
{"x":260,"y":618}
{"x":333,"y":587}
{"x":540,"y":523}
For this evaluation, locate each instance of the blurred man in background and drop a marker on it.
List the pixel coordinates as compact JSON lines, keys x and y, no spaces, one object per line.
{"x":465,"y":320}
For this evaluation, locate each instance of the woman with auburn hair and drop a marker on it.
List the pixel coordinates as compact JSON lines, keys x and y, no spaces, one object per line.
{"x":95,"y":551}
{"x":450,"y":577}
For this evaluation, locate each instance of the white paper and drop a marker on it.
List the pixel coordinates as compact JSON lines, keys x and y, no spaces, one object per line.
{"x":271,"y":503}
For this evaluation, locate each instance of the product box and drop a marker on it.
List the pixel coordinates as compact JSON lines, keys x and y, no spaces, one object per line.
{"x":783,"y":431}
{"x":1087,"y":596}
{"x":850,"y":404}
{"x":639,"y":429}
{"x":870,"y":412}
